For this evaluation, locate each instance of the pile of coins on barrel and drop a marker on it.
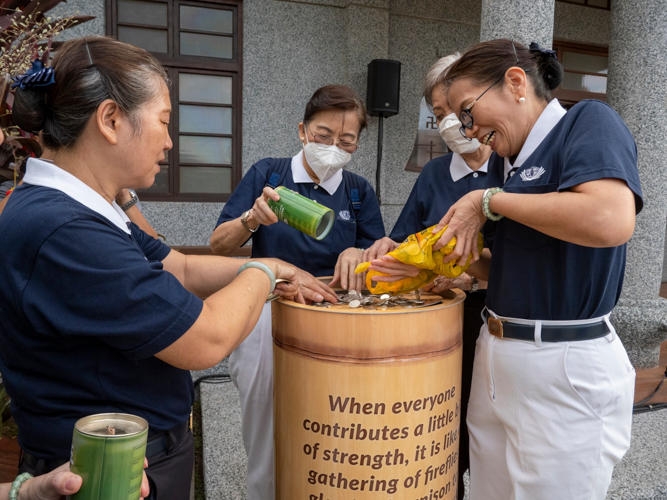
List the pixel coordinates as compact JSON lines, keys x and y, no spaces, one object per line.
{"x":372,"y":302}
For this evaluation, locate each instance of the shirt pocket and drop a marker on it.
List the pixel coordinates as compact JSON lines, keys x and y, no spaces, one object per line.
{"x":343,"y":235}
{"x":523,"y":236}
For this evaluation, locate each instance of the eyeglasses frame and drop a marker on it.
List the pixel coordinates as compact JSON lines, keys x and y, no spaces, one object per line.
{"x":337,"y":144}
{"x":465,"y":116}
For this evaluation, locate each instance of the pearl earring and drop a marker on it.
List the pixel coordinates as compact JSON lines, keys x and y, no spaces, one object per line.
{"x":522,"y":100}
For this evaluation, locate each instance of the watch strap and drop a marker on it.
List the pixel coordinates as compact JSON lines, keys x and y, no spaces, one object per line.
{"x":244,"y":221}
{"x":133,"y":201}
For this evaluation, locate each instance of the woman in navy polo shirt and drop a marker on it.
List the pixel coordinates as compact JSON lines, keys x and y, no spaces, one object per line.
{"x":550,"y":410}
{"x":440,"y":184}
{"x":98,"y":316}
{"x":333,"y":120}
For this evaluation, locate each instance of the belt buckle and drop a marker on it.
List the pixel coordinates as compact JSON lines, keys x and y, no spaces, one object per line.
{"x":495,"y":327}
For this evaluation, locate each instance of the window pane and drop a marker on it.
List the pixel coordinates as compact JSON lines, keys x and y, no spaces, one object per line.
{"x":206,"y":180}
{"x":585,"y":62}
{"x":193,"y":44}
{"x":588,"y":83}
{"x":599,"y":3}
{"x":161,"y":184}
{"x":149,"y":39}
{"x":205,"y":88}
{"x":153,"y":14}
{"x":200,"y":19}
{"x":205,"y":150}
{"x":205,"y":119}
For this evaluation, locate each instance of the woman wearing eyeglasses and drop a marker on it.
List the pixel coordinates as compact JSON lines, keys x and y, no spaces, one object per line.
{"x":550,"y":409}
{"x":329,"y":133}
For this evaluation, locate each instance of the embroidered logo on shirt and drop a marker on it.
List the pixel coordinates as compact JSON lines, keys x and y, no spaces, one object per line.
{"x":532,"y":173}
{"x":344,"y":214}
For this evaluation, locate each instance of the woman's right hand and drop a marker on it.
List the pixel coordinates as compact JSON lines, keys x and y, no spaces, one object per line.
{"x":261,"y":213}
{"x":464,"y":220}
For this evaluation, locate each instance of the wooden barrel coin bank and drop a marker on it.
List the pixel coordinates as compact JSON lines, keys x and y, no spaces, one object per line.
{"x":367,"y":402}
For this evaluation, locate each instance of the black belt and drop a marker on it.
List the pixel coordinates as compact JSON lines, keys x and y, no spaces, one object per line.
{"x":550,"y":333}
{"x":164,"y":441}
{"x":38,"y":466}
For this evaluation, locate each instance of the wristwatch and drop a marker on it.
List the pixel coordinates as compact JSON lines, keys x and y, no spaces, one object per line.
{"x":133,"y":201}
{"x":474,"y":285}
{"x":244,"y":221}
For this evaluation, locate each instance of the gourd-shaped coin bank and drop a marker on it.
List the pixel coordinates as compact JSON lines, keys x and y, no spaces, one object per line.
{"x":417,"y":250}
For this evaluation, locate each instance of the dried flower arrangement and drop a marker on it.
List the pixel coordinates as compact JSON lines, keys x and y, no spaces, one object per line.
{"x":26,"y":35}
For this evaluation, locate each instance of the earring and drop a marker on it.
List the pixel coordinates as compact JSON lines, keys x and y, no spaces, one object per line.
{"x":522,"y":100}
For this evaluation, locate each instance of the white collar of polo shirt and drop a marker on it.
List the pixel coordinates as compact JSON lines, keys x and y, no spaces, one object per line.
{"x":544,"y":124}
{"x":459,"y":168}
{"x":300,"y":176}
{"x":47,"y":174}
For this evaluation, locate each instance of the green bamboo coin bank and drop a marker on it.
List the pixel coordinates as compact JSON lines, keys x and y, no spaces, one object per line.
{"x":302,"y":213}
{"x":108,"y":453}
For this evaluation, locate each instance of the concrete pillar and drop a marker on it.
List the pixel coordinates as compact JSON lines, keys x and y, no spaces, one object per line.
{"x":636,"y":89}
{"x":523,"y":20}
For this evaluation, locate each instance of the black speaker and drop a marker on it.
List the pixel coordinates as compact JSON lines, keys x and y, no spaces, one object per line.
{"x":384,"y":86}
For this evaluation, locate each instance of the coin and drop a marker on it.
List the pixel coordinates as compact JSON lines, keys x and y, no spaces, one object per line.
{"x":355,"y":303}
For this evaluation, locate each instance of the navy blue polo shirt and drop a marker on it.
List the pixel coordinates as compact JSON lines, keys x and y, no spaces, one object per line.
{"x":437,"y":188}
{"x":284,"y":242}
{"x":535,"y":276}
{"x":85,"y":307}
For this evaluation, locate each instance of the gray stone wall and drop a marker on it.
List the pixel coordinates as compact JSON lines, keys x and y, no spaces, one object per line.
{"x":83,"y":8}
{"x":576,"y":23}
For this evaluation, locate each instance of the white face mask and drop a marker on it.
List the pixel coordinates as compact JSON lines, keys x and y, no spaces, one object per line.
{"x":449,"y":131}
{"x":325,"y":160}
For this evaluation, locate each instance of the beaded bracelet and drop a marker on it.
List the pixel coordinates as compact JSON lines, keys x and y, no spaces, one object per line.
{"x":20,"y":479}
{"x":486,"y":199}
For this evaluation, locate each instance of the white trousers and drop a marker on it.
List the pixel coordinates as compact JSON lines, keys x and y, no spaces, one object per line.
{"x":549,"y":421}
{"x":251,"y":369}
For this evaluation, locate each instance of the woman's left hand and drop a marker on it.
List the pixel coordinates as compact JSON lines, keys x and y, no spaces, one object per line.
{"x":395,"y":269}
{"x":60,"y":482}
{"x":442,"y":283}
{"x":344,"y":273}
{"x":464,"y":219}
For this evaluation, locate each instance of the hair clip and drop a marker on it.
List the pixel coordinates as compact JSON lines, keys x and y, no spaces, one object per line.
{"x":90,"y":58}
{"x":534,"y":47}
{"x":37,"y":76}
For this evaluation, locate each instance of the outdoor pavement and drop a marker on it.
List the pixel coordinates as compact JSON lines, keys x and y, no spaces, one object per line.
{"x":642,"y":475}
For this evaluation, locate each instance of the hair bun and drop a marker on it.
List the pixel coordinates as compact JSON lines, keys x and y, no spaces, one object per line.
{"x":551,"y":70}
{"x":553,"y":73}
{"x":30,"y":111}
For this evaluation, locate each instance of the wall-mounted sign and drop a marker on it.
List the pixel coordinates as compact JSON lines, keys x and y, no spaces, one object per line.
{"x":428,"y":143}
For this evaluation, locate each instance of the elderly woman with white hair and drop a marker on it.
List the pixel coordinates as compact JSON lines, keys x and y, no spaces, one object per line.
{"x":441,"y":183}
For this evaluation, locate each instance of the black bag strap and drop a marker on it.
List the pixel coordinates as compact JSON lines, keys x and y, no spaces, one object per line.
{"x":352,"y":186}
{"x":277,"y":171}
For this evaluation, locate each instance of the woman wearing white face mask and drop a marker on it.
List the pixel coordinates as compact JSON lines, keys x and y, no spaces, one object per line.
{"x":441,"y":183}
{"x":329,"y":133}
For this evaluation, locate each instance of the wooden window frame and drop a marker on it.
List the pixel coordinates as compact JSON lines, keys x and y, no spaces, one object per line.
{"x":571,"y":97}
{"x":585,"y":4}
{"x":175,"y":63}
